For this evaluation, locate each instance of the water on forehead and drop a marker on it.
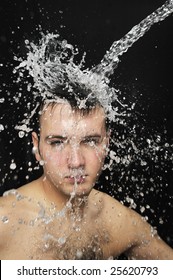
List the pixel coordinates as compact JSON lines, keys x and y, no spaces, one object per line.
{"x":63,"y":119}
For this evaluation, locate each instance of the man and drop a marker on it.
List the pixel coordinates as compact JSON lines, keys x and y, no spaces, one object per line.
{"x":61,"y":215}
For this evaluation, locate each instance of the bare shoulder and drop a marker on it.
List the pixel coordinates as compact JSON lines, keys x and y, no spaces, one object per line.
{"x":118,"y":216}
{"x":10,"y":205}
{"x":7,"y":216}
{"x":131,"y":233}
{"x":113,"y":214}
{"x":109,"y":205}
{"x":7,"y":202}
{"x":16,"y":204}
{"x":120,"y":220}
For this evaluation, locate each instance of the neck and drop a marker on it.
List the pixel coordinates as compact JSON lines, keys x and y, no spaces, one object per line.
{"x":77,"y":204}
{"x":71,"y":202}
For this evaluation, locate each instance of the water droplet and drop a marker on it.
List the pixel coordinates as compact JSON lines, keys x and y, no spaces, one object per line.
{"x":47,"y":245}
{"x":1,"y":127}
{"x":161,"y":221}
{"x":5,"y":219}
{"x":12,"y":191}
{"x":142,"y":209}
{"x":41,"y":162}
{"x":77,"y":228}
{"x":2,"y":100}
{"x":13,"y":166}
{"x":61,"y":240}
{"x":117,"y":159}
{"x":21,"y":134}
{"x":61,"y":213}
{"x":79,"y":254}
{"x":153,"y":231}
{"x":31,"y":223}
{"x":143,"y":163}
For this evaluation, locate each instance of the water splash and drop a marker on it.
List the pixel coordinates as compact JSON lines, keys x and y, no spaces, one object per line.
{"x":15,"y":193}
{"x":111,"y":59}
{"x":52,"y":63}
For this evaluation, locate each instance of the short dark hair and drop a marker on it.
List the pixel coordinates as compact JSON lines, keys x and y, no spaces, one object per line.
{"x":80,"y":98}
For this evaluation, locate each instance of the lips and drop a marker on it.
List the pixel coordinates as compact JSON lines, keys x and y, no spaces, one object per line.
{"x":79,"y":179}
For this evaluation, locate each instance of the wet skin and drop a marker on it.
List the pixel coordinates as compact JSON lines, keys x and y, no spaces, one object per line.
{"x":72,"y":148}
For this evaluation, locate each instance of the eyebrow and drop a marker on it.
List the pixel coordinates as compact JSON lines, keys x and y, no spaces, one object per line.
{"x":49,"y":137}
{"x":92,"y":136}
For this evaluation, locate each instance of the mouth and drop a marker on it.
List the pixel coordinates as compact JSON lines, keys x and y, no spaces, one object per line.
{"x":77,"y":179}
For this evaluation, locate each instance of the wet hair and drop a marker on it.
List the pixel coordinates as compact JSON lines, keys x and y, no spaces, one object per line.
{"x":75,"y":95}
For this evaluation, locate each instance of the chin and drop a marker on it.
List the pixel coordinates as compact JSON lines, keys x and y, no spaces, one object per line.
{"x":79,"y":191}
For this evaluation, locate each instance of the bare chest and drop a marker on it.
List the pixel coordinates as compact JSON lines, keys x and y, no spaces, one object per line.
{"x":77,"y":241}
{"x":63,"y":241}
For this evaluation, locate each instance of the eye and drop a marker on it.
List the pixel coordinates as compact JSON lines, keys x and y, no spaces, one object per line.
{"x":91,"y":141}
{"x":55,"y":143}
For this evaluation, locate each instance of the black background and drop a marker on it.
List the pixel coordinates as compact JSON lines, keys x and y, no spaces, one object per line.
{"x":144,"y":76}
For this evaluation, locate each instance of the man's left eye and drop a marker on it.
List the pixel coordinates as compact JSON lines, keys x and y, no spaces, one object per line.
{"x":91,"y":142}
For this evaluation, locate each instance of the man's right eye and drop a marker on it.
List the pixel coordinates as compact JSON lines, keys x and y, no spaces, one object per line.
{"x":56,"y":142}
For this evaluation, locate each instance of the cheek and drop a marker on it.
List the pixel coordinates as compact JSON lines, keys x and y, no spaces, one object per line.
{"x":53,"y":158}
{"x":96,"y":158}
{"x":100,"y":153}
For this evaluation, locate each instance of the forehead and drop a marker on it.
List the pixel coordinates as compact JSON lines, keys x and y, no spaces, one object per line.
{"x":62,"y":119}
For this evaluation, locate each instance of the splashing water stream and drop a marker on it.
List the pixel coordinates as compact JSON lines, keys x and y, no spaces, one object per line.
{"x":111,"y":59}
{"x":52,"y":61}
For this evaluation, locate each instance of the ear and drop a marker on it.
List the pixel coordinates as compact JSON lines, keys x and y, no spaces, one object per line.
{"x":108,"y":135}
{"x":35,"y":142}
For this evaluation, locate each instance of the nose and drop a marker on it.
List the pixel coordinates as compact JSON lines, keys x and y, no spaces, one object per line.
{"x":75,"y":157}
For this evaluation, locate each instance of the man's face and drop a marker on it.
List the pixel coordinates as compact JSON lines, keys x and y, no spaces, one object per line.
{"x":72,"y":147}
